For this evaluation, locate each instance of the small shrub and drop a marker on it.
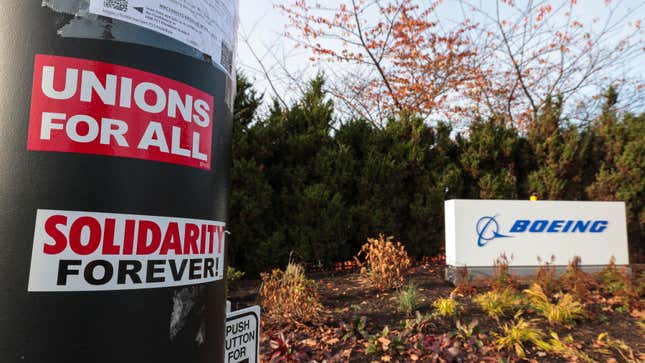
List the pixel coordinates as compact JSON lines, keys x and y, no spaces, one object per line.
{"x":545,"y":276}
{"x":498,"y":303}
{"x":639,"y":284}
{"x":385,"y":342}
{"x":516,"y":334}
{"x":408,"y":299}
{"x":386,"y":262}
{"x":565,"y":311}
{"x":419,"y":324}
{"x":357,"y":330}
{"x":287,"y":350}
{"x":610,"y":278}
{"x":502,"y":279}
{"x":463,"y":286}
{"x":619,"y":284}
{"x":289,"y":294}
{"x":466,"y":331}
{"x":445,"y":307}
{"x":576,"y":281}
{"x":232,"y":276}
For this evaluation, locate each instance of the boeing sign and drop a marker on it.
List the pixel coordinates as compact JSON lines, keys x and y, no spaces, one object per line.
{"x":479,"y":231}
{"x":488,"y":228}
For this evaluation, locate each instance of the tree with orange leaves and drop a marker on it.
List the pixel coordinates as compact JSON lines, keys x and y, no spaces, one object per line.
{"x":532,"y":52}
{"x":398,"y":56}
{"x":402,"y":62}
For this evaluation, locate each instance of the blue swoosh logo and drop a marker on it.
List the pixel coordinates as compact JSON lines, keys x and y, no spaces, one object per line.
{"x":487,"y":230}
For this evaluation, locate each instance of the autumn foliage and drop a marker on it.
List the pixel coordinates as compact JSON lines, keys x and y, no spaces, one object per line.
{"x":410,"y":65}
{"x":467,"y":59}
{"x":385,"y":262}
{"x":289,"y":295}
{"x":497,"y":325}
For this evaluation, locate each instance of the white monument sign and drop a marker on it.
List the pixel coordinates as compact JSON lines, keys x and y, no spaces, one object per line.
{"x":479,"y":231}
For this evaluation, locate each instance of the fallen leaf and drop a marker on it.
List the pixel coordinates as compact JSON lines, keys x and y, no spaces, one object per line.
{"x":331,"y":341}
{"x":385,"y":342}
{"x":310,"y":342}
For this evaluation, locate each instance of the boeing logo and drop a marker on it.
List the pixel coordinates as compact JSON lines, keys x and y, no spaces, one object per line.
{"x":488,"y":228}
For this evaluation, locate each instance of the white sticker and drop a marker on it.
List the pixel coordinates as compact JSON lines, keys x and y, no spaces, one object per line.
{"x":208,"y":25}
{"x":242,"y":336}
{"x":87,"y":251}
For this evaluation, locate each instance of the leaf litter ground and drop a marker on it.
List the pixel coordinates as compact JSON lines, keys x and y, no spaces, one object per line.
{"x":354,"y":312}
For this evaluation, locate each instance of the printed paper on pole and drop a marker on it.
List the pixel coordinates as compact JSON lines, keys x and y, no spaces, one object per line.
{"x":207,"y":25}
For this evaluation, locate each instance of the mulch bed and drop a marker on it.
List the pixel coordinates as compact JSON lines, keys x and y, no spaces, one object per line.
{"x":346,"y":298}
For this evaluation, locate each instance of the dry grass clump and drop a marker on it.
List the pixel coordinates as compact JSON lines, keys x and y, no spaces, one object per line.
{"x":289,"y":294}
{"x":499,"y":303}
{"x":564,"y":311}
{"x":408,"y":298}
{"x":565,"y":348}
{"x":386,"y":262}
{"x":446,"y":307}
{"x":516,"y":334}
{"x":609,"y":346}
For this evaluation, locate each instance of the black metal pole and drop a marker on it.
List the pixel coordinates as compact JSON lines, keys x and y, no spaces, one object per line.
{"x":114,"y":171}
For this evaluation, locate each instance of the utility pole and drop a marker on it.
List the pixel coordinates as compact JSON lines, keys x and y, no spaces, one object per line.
{"x":115,"y":151}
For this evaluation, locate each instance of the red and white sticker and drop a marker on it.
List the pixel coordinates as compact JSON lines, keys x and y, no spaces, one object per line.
{"x":86,"y":251}
{"x":89,"y":107}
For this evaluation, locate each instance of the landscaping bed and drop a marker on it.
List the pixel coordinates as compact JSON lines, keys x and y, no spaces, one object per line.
{"x":358,"y":322}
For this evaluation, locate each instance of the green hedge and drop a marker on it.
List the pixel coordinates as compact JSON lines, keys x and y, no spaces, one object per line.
{"x":308,"y":186}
